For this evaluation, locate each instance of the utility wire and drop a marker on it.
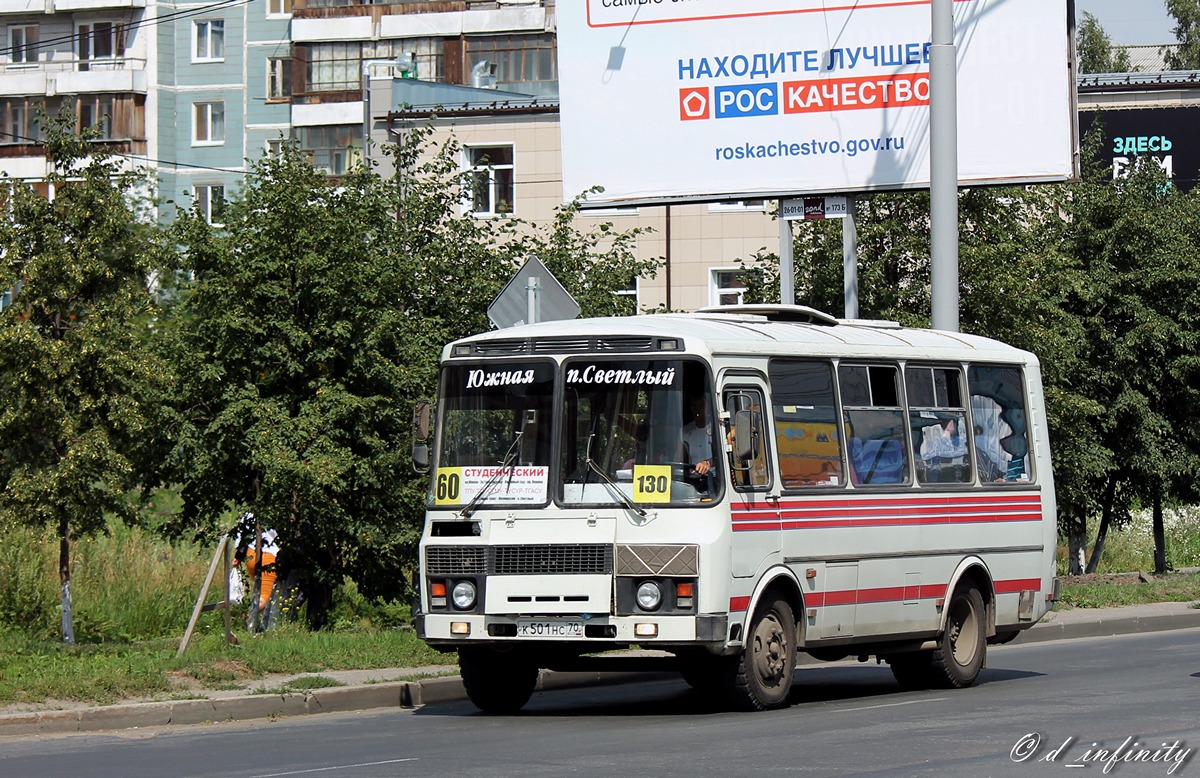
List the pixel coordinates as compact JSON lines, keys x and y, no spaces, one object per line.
{"x":146,"y":22}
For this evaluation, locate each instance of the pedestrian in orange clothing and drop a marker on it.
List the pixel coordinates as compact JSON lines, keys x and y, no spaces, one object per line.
{"x":263,"y":570}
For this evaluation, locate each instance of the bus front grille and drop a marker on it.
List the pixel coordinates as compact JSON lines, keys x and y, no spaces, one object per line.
{"x":574,"y":559}
{"x":541,"y":559}
{"x":456,"y":560}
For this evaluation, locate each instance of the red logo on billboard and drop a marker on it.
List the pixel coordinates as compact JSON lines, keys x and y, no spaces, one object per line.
{"x":693,"y":104}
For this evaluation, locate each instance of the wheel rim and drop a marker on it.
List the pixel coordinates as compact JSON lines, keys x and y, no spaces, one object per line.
{"x":770,"y":650}
{"x":963,"y":631}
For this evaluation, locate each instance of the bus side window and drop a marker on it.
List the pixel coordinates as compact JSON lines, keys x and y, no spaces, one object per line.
{"x":751,"y":473}
{"x":874,"y":420}
{"x":937,"y":420}
{"x":998,"y":416}
{"x":806,"y":427}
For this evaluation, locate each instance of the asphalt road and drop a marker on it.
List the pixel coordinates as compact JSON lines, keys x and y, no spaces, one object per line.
{"x":1040,"y":709}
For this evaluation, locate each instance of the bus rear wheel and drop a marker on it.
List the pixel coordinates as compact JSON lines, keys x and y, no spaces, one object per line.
{"x":962,"y":648}
{"x":762,"y":676}
{"x":956,"y":662}
{"x":498,"y":682}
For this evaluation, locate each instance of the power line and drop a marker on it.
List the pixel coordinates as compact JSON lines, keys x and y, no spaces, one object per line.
{"x":239,"y":171}
{"x":146,"y":22}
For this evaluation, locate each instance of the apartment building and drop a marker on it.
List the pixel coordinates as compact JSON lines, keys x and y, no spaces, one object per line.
{"x":89,"y":57}
{"x":200,"y":90}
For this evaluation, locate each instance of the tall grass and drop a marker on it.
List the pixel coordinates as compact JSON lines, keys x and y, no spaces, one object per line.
{"x":125,"y":585}
{"x":29,"y":592}
{"x":1132,"y":548}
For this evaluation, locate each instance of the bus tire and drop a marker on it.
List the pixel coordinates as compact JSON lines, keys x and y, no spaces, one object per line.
{"x":762,"y":676}
{"x":962,"y":647}
{"x":497,"y":682}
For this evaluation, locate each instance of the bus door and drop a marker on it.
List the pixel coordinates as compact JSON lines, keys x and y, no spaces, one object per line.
{"x":754,"y":494}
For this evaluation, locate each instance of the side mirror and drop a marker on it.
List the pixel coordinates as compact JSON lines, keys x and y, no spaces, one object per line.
{"x":745,"y":437}
{"x":421,"y":422}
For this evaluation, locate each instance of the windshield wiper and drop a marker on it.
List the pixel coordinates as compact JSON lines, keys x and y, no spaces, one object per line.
{"x":624,"y":499}
{"x":505,"y":464}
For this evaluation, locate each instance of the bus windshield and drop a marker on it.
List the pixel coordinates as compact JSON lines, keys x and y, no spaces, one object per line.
{"x":640,"y":430}
{"x":495,"y":435}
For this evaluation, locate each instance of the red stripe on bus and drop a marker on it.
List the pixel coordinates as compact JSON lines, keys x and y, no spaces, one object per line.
{"x":1018,"y":585}
{"x":888,"y":594}
{"x":880,"y":512}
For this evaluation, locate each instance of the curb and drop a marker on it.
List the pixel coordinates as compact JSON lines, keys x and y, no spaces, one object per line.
{"x":1120,"y":625}
{"x":435,"y":691}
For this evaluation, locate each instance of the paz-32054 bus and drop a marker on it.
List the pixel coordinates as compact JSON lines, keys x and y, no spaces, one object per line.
{"x":732,"y":487}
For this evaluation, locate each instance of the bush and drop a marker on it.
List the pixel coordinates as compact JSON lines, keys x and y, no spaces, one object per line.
{"x":352,"y":610}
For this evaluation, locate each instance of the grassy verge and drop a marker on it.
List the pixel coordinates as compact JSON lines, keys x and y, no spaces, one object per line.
{"x":1106,"y":593}
{"x":35,"y":671}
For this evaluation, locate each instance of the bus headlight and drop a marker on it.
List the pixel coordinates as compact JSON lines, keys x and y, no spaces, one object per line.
{"x":463,"y":595}
{"x":649,"y":596}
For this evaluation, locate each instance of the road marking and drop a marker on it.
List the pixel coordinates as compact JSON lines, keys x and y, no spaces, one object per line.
{"x":893,"y":704}
{"x":335,"y":767}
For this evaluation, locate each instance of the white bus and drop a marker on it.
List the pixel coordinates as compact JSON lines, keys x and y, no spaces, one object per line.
{"x":732,"y":487}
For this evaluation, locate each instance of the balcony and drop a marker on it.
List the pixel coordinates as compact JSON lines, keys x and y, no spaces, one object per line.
{"x":64,"y":6}
{"x":75,"y":76}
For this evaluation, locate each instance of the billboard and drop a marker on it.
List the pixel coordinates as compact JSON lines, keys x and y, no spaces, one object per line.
{"x":1165,"y":135}
{"x":699,"y":100}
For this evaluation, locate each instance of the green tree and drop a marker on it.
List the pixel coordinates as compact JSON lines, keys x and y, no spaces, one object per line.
{"x":1095,"y":50}
{"x":80,"y":391}
{"x":294,"y":353}
{"x":1137,"y":240}
{"x":1186,"y":56}
{"x":317,"y":315}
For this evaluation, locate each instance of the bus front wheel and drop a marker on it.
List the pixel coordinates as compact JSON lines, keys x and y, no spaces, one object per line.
{"x":498,"y":682}
{"x":763,"y":673}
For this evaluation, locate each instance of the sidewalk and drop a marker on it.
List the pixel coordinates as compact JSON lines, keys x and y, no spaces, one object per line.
{"x":415,"y":686}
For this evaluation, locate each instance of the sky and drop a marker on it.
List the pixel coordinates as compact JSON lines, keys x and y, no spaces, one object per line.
{"x":1131,"y":22}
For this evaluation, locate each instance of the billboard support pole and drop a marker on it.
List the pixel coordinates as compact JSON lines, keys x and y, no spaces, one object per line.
{"x":787,"y":269}
{"x":850,"y":261}
{"x":943,"y":168}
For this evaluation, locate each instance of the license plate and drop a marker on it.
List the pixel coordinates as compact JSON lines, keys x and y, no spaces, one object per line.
{"x":549,"y":629}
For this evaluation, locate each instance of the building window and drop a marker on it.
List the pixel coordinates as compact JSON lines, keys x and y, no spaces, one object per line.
{"x":18,"y":120}
{"x":279,"y":7}
{"x":334,"y":67}
{"x":491,"y":179}
{"x":96,"y":112}
{"x":99,"y":41}
{"x":727,"y":286}
{"x":23,"y":39}
{"x":279,"y":78}
{"x":208,"y":123}
{"x":333,"y":149}
{"x":424,"y":56}
{"x":210,"y":41}
{"x":275,"y":147}
{"x":519,"y":58}
{"x":209,"y":199}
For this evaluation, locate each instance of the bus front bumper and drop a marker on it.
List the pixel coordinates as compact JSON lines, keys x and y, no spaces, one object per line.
{"x":448,"y":630}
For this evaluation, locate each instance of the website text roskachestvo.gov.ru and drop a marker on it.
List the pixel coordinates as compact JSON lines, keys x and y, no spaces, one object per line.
{"x":808,"y":148}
